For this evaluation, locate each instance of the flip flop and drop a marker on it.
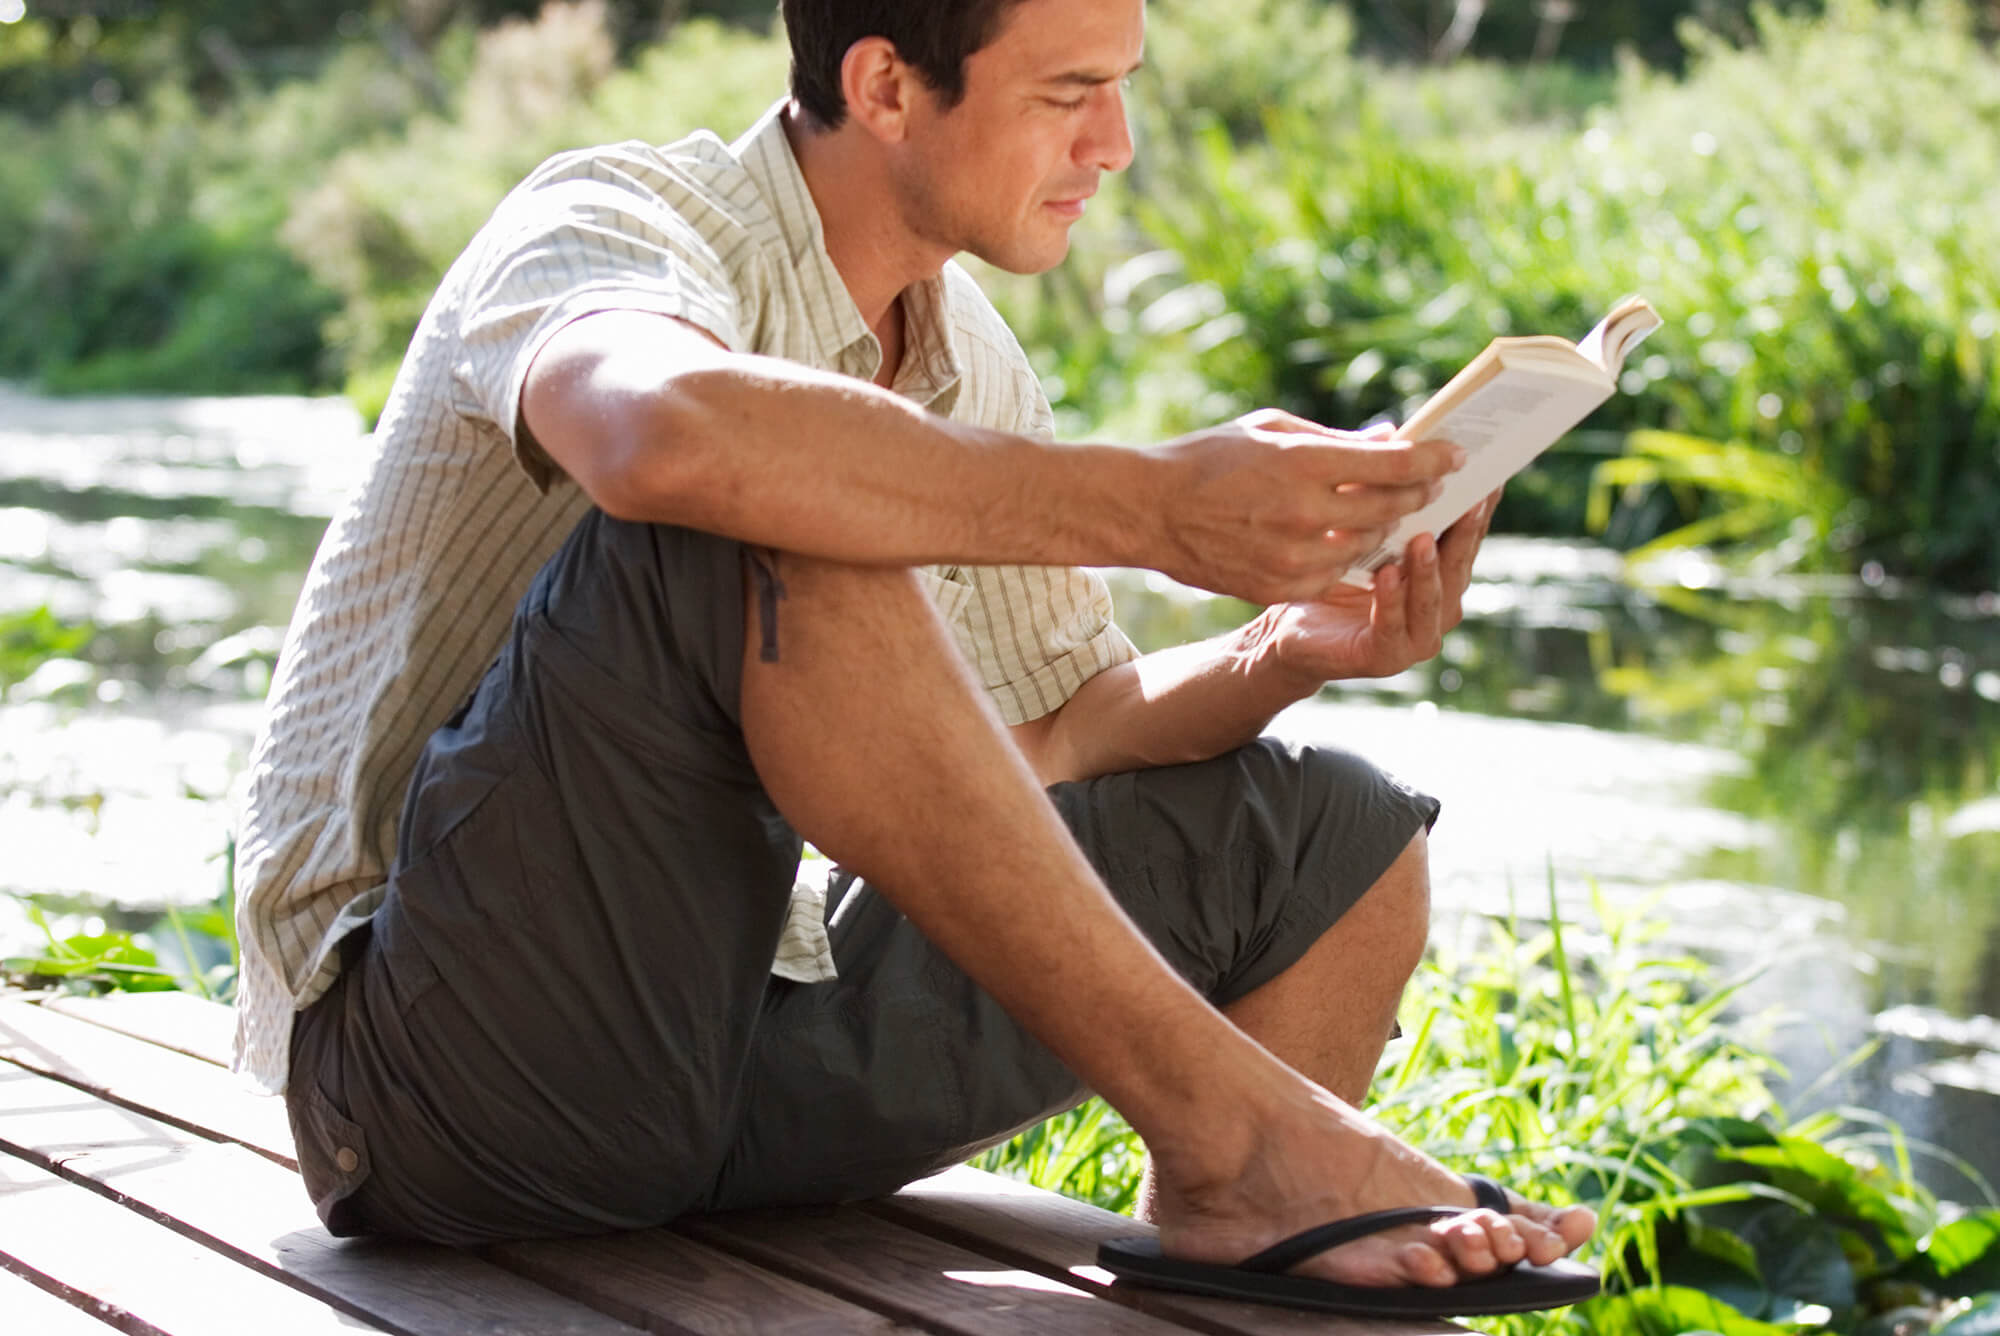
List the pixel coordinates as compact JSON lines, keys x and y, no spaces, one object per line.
{"x":1263,"y":1278}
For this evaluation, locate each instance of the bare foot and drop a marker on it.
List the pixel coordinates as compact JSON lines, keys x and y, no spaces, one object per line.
{"x":1324,"y":1161}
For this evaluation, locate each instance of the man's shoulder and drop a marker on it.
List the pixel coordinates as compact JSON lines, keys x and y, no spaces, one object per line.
{"x":698,"y":170}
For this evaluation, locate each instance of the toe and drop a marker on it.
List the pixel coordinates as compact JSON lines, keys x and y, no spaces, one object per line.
{"x":1423,"y":1264}
{"x":1542,"y":1243}
{"x":1467,"y":1243}
{"x":1551,"y":1232}
{"x":1504,"y":1234}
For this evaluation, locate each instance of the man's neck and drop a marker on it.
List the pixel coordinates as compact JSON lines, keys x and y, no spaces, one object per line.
{"x":876,"y":256}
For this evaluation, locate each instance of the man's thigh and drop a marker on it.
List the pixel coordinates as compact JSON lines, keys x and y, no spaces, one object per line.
{"x":546,"y":1031}
{"x":1233,"y":868}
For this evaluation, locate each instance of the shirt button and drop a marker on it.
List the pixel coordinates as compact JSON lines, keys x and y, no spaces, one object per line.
{"x":347,"y":1160}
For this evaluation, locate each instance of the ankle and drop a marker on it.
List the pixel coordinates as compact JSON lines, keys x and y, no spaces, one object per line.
{"x":1220,"y":1138}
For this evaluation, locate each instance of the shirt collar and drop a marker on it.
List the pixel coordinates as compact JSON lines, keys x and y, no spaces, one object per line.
{"x":930,"y":372}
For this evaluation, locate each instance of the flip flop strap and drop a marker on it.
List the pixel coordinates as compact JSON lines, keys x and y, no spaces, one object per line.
{"x":1288,"y":1253}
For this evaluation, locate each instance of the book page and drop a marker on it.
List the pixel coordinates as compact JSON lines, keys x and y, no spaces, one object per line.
{"x":1501,"y":426}
{"x":1628,"y":326}
{"x":1508,"y":405}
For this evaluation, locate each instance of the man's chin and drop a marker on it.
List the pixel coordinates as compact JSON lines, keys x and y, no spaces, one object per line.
{"x":1024,"y":257}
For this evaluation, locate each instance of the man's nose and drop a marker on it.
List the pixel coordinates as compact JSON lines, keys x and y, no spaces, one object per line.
{"x":1108,"y":146}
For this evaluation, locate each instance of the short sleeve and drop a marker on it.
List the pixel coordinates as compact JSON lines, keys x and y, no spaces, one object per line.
{"x":617,"y":228}
{"x":1036,"y":634}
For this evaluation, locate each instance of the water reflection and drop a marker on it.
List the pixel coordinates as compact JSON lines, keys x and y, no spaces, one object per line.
{"x":176,"y":533}
{"x":1848,"y":738}
{"x":1799,"y":771}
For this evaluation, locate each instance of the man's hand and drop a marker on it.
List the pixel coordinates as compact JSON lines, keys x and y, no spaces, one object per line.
{"x":1381,"y":632}
{"x":1274,"y":508}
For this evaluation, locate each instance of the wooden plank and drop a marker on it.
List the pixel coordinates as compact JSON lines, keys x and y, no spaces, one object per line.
{"x":920,"y":1279}
{"x":1055,"y":1236}
{"x":247,"y":1208}
{"x":179,"y":1021}
{"x":30,"y":1308}
{"x":71,"y":1237}
{"x":171,"y":1086}
{"x":672,"y":1285}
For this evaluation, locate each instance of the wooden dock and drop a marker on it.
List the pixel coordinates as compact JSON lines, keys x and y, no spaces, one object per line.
{"x":143,"y":1190}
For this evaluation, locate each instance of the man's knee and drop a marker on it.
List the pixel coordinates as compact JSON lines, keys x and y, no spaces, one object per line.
{"x":1399,"y":906}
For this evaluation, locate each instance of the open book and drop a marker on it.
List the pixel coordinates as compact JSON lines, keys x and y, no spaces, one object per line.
{"x":1511,"y":402}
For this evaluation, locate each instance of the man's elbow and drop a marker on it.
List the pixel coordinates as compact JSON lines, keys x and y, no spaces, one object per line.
{"x":640,"y":460}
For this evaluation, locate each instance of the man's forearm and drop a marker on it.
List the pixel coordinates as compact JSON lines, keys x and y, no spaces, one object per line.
{"x":660,"y":424}
{"x":782,"y":455}
{"x":1173,"y":706}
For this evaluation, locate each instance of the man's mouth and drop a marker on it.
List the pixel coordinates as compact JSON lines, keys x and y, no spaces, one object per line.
{"x":1072,"y":207}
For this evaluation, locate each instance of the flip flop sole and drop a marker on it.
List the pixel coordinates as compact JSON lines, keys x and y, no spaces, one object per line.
{"x":1519,"y":1290}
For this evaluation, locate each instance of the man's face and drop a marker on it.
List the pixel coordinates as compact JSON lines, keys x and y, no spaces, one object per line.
{"x":1005,"y":173}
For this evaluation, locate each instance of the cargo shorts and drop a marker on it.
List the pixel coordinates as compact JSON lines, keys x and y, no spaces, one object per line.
{"x":561,"y":1020}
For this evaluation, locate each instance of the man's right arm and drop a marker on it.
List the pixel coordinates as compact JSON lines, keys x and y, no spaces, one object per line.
{"x":658,"y":422}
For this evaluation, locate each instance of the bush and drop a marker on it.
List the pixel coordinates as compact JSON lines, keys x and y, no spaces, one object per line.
{"x":1793,"y":212}
{"x":388,"y":218}
{"x":141,"y":245}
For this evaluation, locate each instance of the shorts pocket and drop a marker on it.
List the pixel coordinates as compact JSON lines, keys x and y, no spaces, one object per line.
{"x":333,"y":1154}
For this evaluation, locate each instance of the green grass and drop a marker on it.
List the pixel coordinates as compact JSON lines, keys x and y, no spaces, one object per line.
{"x":1584,"y":1063}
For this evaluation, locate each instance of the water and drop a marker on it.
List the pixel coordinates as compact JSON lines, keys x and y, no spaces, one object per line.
{"x":1796,"y":774}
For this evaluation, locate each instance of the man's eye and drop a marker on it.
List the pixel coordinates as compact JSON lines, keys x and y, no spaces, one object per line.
{"x":1069,"y":104}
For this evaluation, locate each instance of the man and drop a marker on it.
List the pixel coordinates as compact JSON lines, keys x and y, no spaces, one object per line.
{"x":765,"y":465}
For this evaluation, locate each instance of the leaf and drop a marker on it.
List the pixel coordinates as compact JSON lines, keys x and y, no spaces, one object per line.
{"x":1729,"y":1278}
{"x":1730,"y":1132}
{"x":1800,"y":1257}
{"x":1729,"y":1248}
{"x":108,"y":948}
{"x":1959,"y":1244}
{"x":1963,"y":1257}
{"x":1669,"y":1310}
{"x":1838,"y":1188}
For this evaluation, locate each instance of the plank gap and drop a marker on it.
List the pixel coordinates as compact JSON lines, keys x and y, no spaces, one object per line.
{"x":31,"y":1294}
{"x":147,"y":1110}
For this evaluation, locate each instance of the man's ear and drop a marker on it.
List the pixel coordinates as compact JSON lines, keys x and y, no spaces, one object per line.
{"x":879,"y":87}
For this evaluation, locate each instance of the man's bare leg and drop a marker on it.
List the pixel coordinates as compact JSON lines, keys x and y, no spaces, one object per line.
{"x":1331,"y":1013}
{"x":871,"y":736}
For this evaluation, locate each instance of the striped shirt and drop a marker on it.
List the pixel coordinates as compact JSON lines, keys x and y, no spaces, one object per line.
{"x":411,"y":593}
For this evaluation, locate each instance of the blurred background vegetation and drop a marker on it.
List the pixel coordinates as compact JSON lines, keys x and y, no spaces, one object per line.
{"x":1335,"y":205}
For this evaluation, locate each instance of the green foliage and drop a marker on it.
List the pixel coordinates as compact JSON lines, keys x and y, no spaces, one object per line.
{"x":1089,"y":1153}
{"x":1594,"y":1068}
{"x":205,"y":955}
{"x":1515,"y":30}
{"x":1795,"y":214}
{"x":139,"y":244}
{"x":103,"y":52}
{"x":387,"y":218}
{"x":1304,"y":226}
{"x":119,"y":960}
{"x":30,"y":639}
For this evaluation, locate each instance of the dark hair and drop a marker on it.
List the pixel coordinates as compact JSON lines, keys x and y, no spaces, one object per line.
{"x":934,"y":36}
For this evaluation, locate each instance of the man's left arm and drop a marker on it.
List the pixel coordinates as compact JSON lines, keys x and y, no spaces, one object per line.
{"x":1196,"y":701}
